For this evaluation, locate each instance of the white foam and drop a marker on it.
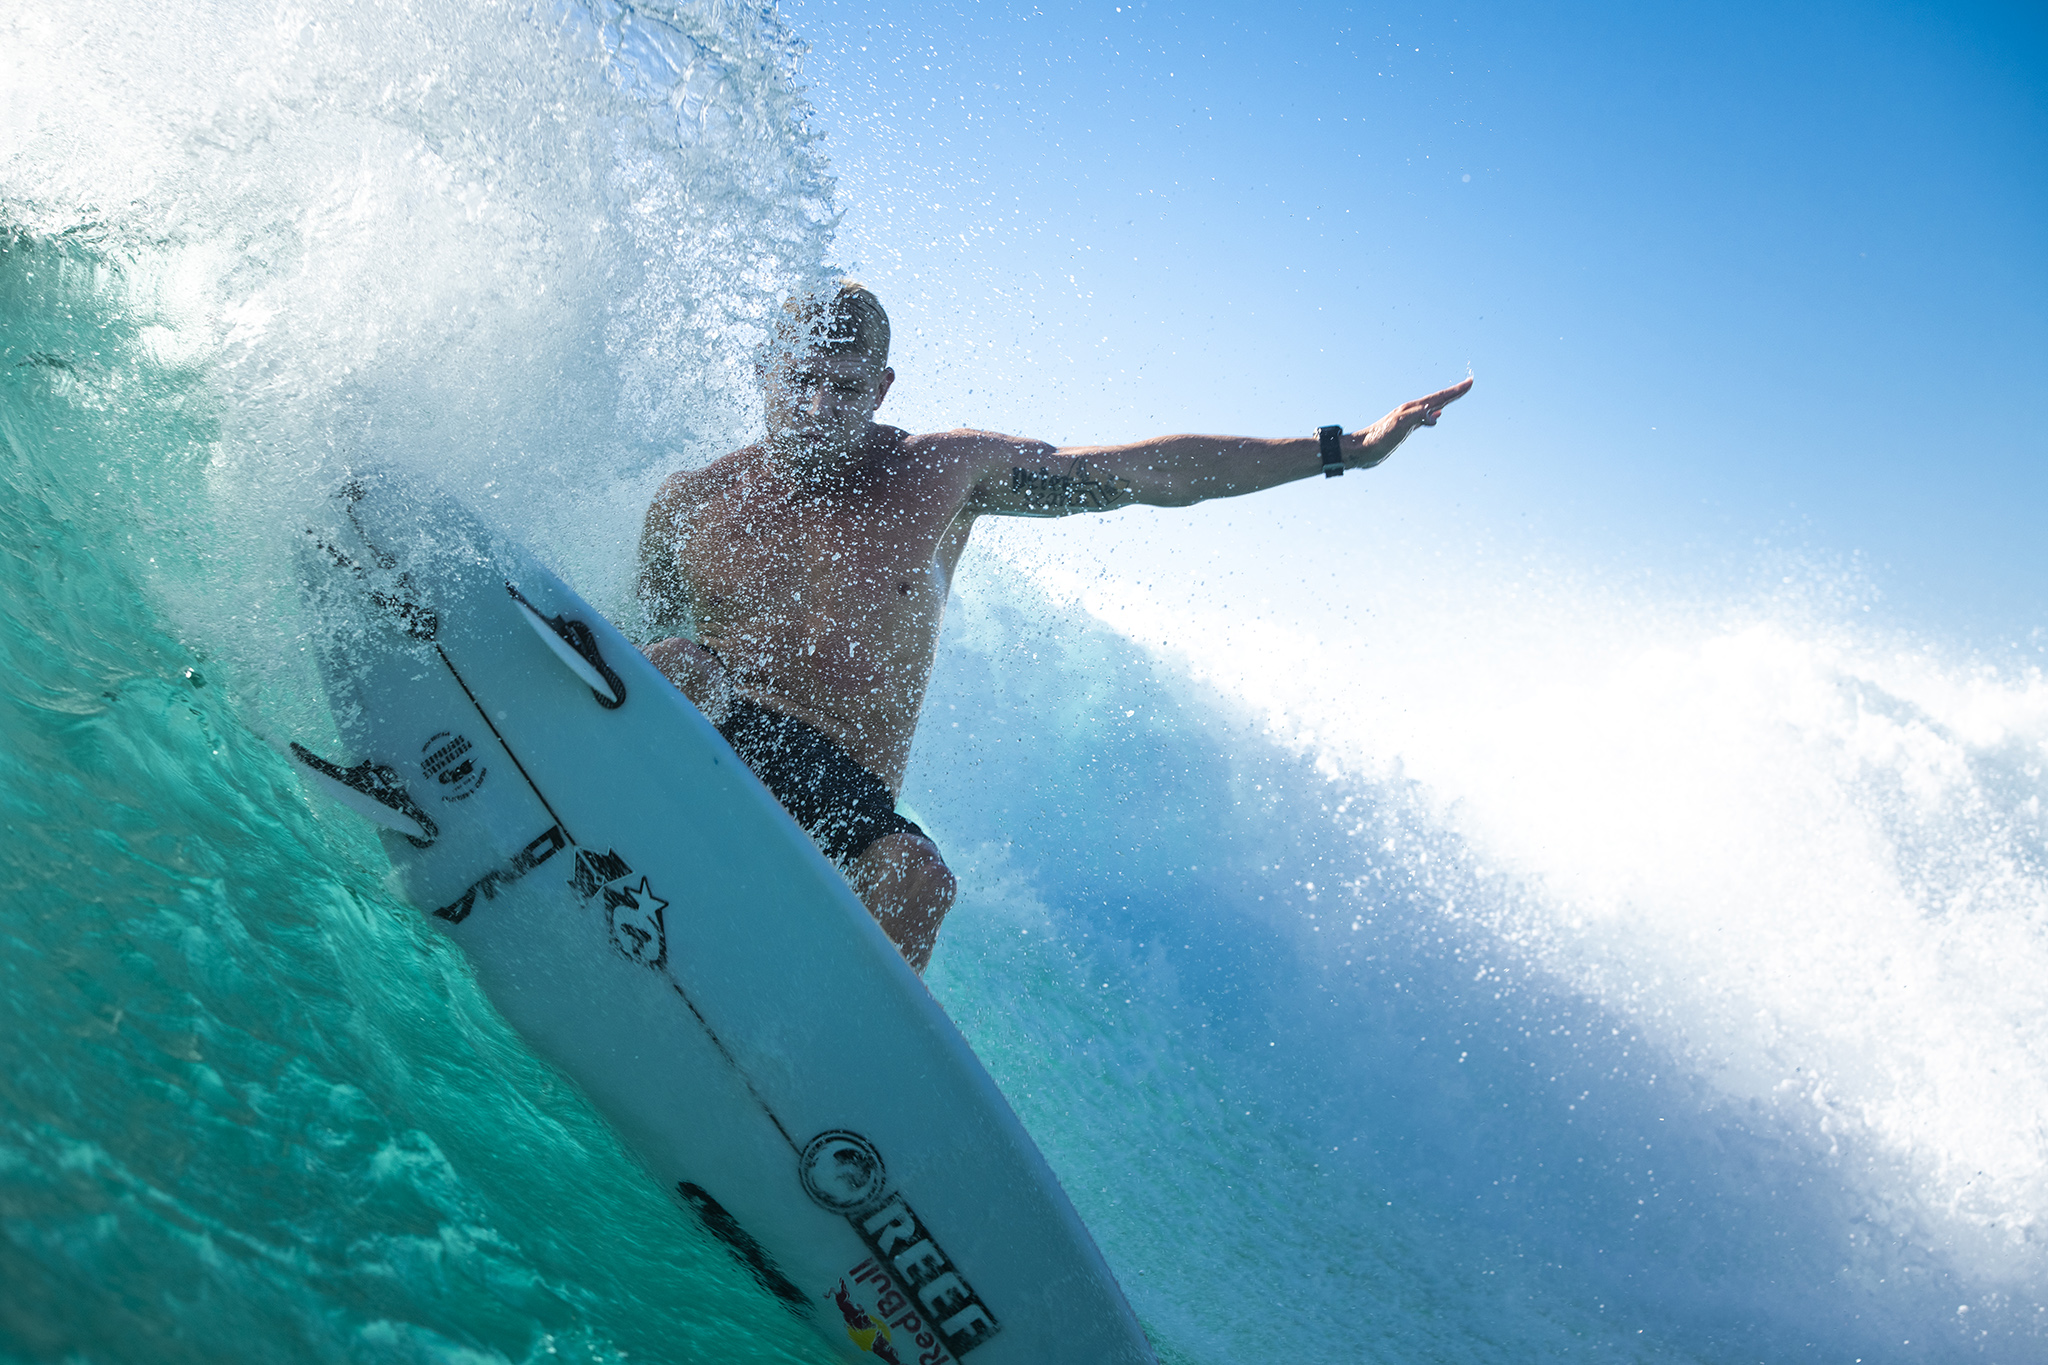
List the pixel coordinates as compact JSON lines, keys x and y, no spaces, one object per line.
{"x":527,"y":249}
{"x":1804,"y":857}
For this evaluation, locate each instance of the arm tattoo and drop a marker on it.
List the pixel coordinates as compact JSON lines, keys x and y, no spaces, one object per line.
{"x":1049,"y":494}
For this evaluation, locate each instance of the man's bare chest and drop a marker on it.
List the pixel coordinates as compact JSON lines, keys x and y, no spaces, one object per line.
{"x":812,"y":557}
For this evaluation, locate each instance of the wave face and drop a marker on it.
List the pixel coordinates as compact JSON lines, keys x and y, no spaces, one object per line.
{"x":1624,"y":978}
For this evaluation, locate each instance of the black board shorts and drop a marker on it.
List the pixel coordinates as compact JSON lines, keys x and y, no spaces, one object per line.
{"x":839,"y":803}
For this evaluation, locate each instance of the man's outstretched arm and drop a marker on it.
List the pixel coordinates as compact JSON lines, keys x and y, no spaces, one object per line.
{"x":1175,"y":471}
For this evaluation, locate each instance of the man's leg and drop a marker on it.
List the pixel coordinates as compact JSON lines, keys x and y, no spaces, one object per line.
{"x":908,"y":889}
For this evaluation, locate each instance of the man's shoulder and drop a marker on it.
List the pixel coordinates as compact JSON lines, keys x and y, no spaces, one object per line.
{"x":685,"y":491}
{"x":973,"y":445}
{"x":905,"y":452}
{"x":885,"y":439}
{"x":725,"y":467}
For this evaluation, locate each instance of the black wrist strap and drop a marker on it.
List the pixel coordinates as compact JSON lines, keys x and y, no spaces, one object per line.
{"x":1333,"y":458}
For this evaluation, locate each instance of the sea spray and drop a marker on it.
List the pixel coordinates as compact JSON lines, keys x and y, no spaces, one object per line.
{"x":1695,"y":941}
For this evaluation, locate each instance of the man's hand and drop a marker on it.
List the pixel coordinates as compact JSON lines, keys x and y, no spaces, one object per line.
{"x":1383,"y":437}
{"x":697,"y":673}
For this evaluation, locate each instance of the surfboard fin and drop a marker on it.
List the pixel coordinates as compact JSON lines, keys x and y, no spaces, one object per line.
{"x":575,"y":644}
{"x":372,"y":791}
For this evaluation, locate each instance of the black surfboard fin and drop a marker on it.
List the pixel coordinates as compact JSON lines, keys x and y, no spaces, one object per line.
{"x":575,"y":644}
{"x":373,"y":791}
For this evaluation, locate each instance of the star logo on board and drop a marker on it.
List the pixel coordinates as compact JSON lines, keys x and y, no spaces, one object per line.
{"x":635,"y":916}
{"x":633,"y":913}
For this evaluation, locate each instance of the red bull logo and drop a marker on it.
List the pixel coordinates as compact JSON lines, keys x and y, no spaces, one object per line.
{"x":913,"y":1335}
{"x":869,"y":1332}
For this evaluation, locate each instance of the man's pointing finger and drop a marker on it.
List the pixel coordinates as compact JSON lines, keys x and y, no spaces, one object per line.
{"x":1427,"y":410}
{"x":1443,"y":398}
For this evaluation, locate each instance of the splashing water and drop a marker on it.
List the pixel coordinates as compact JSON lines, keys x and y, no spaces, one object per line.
{"x":1610,"y":974}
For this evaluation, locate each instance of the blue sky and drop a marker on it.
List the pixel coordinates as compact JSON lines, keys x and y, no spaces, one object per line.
{"x":1732,"y":279}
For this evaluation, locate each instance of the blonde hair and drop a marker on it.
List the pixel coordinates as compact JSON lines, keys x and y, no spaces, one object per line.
{"x":849,"y":322}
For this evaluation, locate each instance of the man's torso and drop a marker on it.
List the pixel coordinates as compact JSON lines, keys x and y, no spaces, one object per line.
{"x":824,"y":599}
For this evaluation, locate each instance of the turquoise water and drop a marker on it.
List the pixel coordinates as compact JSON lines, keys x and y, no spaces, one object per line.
{"x":1640,"y":981}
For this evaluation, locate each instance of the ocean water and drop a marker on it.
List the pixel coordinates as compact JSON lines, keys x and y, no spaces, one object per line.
{"x":1505,"y":967}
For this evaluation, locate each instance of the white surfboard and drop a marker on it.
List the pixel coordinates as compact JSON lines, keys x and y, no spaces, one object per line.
{"x":648,"y":917}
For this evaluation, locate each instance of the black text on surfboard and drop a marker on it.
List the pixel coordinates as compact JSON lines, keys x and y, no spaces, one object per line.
{"x":900,"y":1241}
{"x":449,"y":760}
{"x":842,"y":1171}
{"x":533,"y":855}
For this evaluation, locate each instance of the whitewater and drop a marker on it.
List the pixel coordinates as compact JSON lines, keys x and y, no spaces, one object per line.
{"x":1500,"y":962}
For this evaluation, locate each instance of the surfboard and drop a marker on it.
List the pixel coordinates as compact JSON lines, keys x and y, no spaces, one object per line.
{"x":645,"y":914}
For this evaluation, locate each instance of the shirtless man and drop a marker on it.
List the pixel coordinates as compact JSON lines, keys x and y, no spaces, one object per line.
{"x":812,"y":570}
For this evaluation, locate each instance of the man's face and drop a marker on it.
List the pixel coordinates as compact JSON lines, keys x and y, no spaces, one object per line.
{"x":819,"y":396}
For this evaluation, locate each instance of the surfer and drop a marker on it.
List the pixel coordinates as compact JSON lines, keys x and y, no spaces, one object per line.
{"x":806,"y":575}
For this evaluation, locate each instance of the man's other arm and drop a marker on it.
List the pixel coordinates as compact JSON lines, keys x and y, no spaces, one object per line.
{"x":1177,"y":471}
{"x":660,"y":584}
{"x":696,"y":672}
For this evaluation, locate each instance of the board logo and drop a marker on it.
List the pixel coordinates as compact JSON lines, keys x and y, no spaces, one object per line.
{"x":631,"y":909}
{"x":447,"y":761}
{"x":533,"y":855}
{"x":867,"y":1331}
{"x":842,"y":1171}
{"x":883,"y":1321}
